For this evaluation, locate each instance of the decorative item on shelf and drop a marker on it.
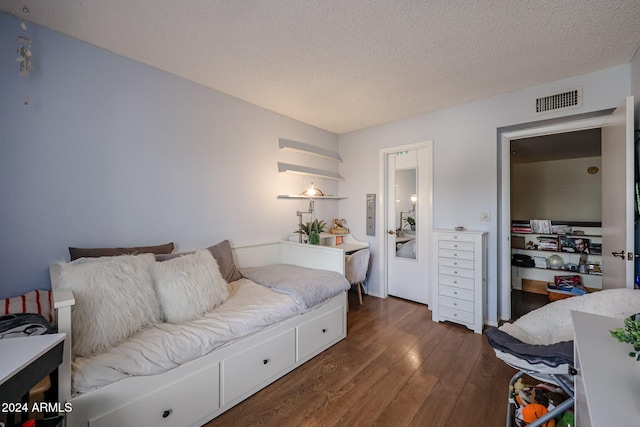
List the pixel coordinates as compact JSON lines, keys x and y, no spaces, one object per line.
{"x":555,"y":262}
{"x":630,"y":334}
{"x":339,"y":227}
{"x":312,"y":229}
{"x":411,"y":222}
{"x":311,"y":192}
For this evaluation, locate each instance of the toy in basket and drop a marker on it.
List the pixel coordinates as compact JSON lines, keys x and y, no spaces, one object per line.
{"x":565,"y":287}
{"x":338,"y":227}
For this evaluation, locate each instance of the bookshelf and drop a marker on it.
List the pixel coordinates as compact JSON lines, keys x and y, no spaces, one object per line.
{"x":564,"y":239}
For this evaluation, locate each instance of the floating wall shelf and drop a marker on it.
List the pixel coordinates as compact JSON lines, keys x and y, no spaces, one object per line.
{"x":303,"y":170}
{"x":312,"y":150}
{"x":298,"y":196}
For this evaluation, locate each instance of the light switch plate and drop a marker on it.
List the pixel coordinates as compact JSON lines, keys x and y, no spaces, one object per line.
{"x":484,"y":217}
{"x":371,"y":214}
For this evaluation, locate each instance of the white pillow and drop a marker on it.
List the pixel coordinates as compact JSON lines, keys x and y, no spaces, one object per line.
{"x":114,"y":300}
{"x":189,"y":286}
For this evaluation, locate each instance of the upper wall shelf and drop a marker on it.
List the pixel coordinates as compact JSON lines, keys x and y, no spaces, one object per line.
{"x":297,"y":196}
{"x":312,"y":150}
{"x":303,"y":170}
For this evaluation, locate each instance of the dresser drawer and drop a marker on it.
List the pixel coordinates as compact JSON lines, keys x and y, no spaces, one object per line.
{"x":464,"y":294}
{"x":454,"y":253}
{"x":455,"y":281}
{"x":456,"y":263}
{"x":456,"y":303}
{"x":319,"y":332}
{"x":247,"y":370}
{"x":458,"y":316}
{"x":460,"y":246}
{"x":167,"y":406}
{"x":456,"y":272}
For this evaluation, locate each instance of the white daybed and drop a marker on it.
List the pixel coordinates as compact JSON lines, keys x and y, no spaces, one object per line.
{"x":199,"y":390}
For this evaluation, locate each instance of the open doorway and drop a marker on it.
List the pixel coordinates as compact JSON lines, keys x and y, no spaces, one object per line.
{"x":617,"y":195}
{"x":555,"y":178}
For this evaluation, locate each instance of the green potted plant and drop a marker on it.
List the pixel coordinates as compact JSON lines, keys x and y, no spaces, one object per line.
{"x":630,"y":333}
{"x":312,"y":230}
{"x":412,"y":222}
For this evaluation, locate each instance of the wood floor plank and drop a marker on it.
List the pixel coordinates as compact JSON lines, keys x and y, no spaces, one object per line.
{"x":395,"y":368}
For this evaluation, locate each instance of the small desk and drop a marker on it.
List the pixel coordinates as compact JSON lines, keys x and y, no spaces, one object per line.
{"x":348,"y":245}
{"x":26,"y":360}
{"x":607,"y":386}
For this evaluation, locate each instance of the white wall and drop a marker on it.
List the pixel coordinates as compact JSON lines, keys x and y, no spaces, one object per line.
{"x":113,"y":152}
{"x":559,"y":190}
{"x":465,"y":158}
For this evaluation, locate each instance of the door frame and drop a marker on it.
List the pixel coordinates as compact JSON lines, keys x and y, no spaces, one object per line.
{"x":382,"y":226}
{"x":572,"y":123}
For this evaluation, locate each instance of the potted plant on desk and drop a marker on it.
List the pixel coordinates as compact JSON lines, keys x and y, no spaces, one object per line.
{"x":312,"y":230}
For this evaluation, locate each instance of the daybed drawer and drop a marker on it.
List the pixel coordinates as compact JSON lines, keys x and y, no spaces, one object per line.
{"x":250,"y":368}
{"x":319,"y":332}
{"x":168,"y":406}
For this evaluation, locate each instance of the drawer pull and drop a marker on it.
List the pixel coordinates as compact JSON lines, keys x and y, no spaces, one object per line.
{"x":455,"y":304}
{"x":455,"y":314}
{"x":455,"y":254}
{"x":166,"y":413}
{"x":455,"y":292}
{"x":265,"y":361}
{"x":455,"y":263}
{"x":324,"y":330}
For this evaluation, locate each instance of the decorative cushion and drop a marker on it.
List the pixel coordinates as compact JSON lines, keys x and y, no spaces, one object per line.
{"x":76,"y":253}
{"x":37,"y":301}
{"x":114,"y":300}
{"x":189,"y":286}
{"x":222,"y":253}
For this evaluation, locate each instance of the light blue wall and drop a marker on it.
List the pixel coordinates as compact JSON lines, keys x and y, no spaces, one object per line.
{"x":465,"y":155}
{"x":113,"y":152}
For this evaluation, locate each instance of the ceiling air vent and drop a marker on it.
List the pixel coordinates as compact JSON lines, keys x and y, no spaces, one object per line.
{"x":559,"y":101}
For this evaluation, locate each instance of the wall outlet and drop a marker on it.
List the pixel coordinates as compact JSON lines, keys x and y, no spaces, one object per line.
{"x":484,"y":217}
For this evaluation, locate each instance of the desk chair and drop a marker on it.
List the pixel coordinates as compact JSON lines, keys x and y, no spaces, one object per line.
{"x":356,"y":266}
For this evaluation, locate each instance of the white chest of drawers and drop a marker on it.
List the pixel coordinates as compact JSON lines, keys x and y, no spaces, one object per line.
{"x":460,"y":278}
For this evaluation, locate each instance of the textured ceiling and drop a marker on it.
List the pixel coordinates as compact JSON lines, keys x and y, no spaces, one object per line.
{"x":343,"y":65}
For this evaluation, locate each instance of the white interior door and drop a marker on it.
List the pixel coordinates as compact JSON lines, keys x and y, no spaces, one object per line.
{"x":617,"y":198}
{"x":408,"y":223}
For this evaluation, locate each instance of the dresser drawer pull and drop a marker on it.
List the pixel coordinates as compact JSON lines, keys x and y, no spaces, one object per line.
{"x":265,"y":361}
{"x":455,"y":303}
{"x":166,"y":413}
{"x":455,"y":254}
{"x":455,"y":292}
{"x":324,"y":330}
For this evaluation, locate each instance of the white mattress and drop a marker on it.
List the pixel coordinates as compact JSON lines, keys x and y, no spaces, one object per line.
{"x":250,"y":308}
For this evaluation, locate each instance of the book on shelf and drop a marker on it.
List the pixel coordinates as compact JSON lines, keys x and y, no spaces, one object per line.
{"x":561,"y":229}
{"x":548,"y":243}
{"x":521,"y":227}
{"x":542,"y":226}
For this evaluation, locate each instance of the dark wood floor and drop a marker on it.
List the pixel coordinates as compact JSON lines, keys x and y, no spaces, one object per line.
{"x":395,"y":368}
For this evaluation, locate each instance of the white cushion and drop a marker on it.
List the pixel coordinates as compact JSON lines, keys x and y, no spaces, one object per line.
{"x":114,"y":300}
{"x":189,"y":286}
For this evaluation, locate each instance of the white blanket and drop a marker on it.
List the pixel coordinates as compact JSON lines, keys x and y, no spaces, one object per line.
{"x":250,"y":308}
